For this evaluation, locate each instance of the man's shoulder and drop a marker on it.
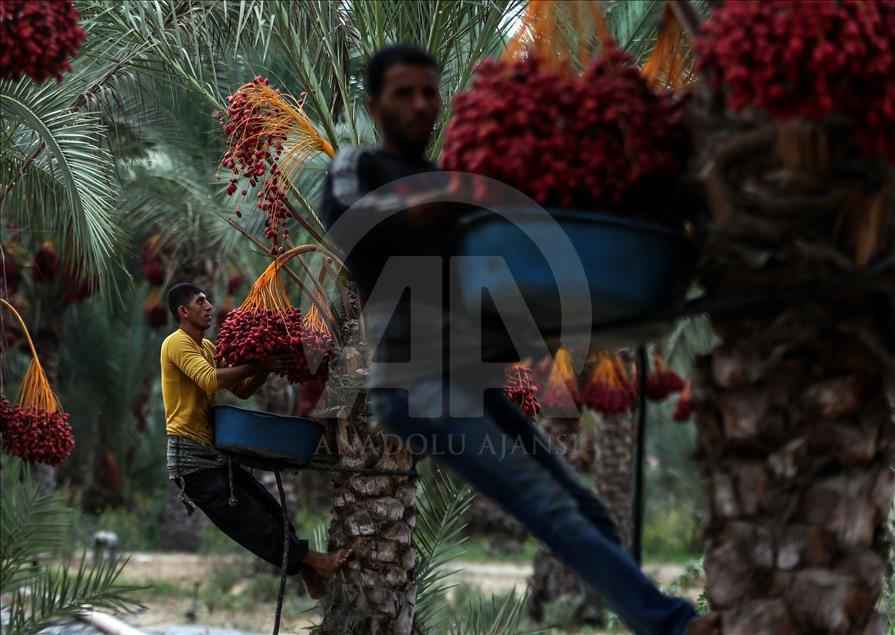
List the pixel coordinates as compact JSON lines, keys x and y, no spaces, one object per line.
{"x":348,"y":161}
{"x":173,"y":337}
{"x":346,"y":181}
{"x":176,"y":341}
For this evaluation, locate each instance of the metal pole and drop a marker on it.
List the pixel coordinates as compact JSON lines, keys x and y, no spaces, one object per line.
{"x":638,"y":503}
{"x":285,"y":563}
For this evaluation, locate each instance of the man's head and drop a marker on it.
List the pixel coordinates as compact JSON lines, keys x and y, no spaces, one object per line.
{"x":402,"y":96}
{"x":189,"y":305}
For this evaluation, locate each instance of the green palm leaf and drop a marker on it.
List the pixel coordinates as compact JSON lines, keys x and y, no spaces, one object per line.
{"x":75,"y":170}
{"x":494,"y":617}
{"x":30,"y":523}
{"x":56,"y":594}
{"x":438,"y":538}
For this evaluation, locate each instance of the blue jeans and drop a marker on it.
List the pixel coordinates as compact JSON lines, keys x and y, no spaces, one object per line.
{"x":506,"y":458}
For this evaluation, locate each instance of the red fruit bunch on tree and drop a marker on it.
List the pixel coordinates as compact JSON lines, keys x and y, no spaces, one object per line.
{"x":269,"y":137}
{"x":510,"y":127}
{"x":154,"y":261}
{"x":609,"y":389}
{"x":75,"y":287}
{"x":234,"y":282}
{"x":35,"y":428}
{"x":155,"y":311}
{"x":38,"y":436}
{"x":76,"y":291}
{"x":559,"y":395}
{"x":250,"y":335}
{"x":6,"y":412}
{"x":45,"y":264}
{"x":38,"y":38}
{"x":48,"y":268}
{"x":10,"y":275}
{"x":109,"y":472}
{"x":686,"y":404}
{"x":807,"y":60}
{"x":314,"y":354}
{"x":662,"y":381}
{"x":628,"y":142}
{"x":591,"y":142}
{"x":266,"y":322}
{"x":521,"y":389}
{"x":312,"y":359}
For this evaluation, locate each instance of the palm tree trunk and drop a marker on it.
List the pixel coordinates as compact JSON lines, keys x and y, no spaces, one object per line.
{"x":375,"y":594}
{"x":602,"y":453}
{"x":796,"y":439}
{"x":613,"y":471}
{"x":486,"y":520}
{"x":796,"y":434}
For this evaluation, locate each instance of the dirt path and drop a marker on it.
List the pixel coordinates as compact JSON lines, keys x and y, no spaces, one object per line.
{"x":491,"y":577}
{"x":181,"y":571}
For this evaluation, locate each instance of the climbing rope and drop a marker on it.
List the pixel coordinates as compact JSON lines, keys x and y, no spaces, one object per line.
{"x":285,"y":563}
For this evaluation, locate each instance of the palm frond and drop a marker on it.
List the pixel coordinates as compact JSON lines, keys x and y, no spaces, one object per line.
{"x":315,"y":35}
{"x":30,"y":523}
{"x":178,"y":40}
{"x":494,"y":617}
{"x":34,"y":524}
{"x":690,"y":337}
{"x":635,"y":24}
{"x":74,"y":170}
{"x":60,"y":593}
{"x":438,"y":540}
{"x":161,"y":191}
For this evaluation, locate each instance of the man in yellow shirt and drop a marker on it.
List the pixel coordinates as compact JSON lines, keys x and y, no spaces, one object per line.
{"x":228,"y":495}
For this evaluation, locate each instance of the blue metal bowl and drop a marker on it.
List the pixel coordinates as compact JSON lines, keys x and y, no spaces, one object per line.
{"x":617,"y":273}
{"x":265,"y":435}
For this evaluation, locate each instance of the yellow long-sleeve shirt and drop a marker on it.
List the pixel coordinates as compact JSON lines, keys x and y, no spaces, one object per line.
{"x":189,"y":382}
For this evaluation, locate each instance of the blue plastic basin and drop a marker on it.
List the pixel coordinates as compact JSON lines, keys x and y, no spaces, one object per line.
{"x":265,"y":435}
{"x":631,"y":270}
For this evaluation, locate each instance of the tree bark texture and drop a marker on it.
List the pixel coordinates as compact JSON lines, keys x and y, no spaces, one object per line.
{"x":374,"y":593}
{"x":602,"y":453}
{"x":796,"y":438}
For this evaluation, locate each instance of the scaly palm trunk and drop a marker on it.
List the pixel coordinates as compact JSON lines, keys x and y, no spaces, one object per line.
{"x":796,"y":435}
{"x":602,"y":453}
{"x":375,"y":594}
{"x":486,"y":520}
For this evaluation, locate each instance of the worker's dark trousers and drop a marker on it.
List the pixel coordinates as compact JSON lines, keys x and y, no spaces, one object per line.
{"x":255,"y":521}
{"x":506,"y":458}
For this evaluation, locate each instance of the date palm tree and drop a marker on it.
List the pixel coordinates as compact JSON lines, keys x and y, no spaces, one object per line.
{"x":795,"y":421}
{"x":319,"y":47}
{"x":601,"y":451}
{"x":796,"y":417}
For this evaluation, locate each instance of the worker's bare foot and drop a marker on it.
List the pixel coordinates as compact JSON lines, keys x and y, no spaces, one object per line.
{"x":326,"y":564}
{"x":708,"y":625}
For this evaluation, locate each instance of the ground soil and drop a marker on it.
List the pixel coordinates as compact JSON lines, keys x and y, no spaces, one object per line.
{"x":166,"y":613}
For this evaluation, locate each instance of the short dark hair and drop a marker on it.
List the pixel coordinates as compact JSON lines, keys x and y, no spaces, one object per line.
{"x":385,"y":58}
{"x":180,"y":295}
